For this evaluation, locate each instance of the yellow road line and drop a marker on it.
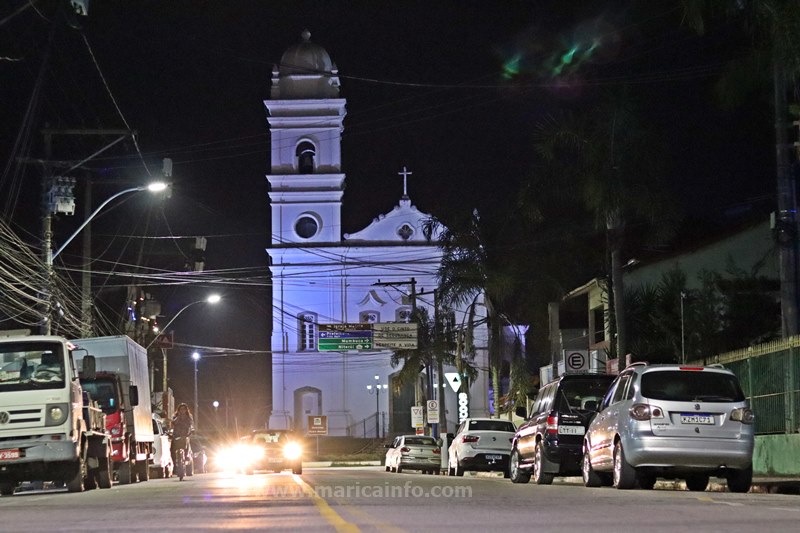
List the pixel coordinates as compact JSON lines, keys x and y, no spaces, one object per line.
{"x":327,"y":512}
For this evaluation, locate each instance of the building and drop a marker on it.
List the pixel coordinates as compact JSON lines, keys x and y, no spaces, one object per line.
{"x":321,"y":276}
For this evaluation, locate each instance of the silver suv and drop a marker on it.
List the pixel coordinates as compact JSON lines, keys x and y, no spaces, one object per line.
{"x":671,"y":421}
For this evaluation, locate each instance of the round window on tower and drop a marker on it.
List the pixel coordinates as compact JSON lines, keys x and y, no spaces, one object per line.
{"x":306,"y":226}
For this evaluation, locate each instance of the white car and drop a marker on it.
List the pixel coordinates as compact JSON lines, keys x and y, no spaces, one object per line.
{"x":413,"y":452}
{"x":162,"y":465}
{"x":481,"y":444}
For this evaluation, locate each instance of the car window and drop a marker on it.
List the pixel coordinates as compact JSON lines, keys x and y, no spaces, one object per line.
{"x":610,"y":394}
{"x":547,"y":399}
{"x":420,"y":441}
{"x":622,"y":388}
{"x":691,"y":386}
{"x":491,"y":425}
{"x":460,"y":428}
{"x":582,"y":394}
{"x":537,"y":404}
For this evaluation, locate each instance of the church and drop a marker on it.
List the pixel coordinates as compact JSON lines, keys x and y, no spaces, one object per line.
{"x":321,"y":276}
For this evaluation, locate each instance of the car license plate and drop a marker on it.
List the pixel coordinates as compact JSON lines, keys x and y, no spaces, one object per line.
{"x":689,"y":418}
{"x":494,"y":457}
{"x":571,"y":430}
{"x":9,"y":454}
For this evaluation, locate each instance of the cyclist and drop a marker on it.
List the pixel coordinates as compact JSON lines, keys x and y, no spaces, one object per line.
{"x":182,"y":427}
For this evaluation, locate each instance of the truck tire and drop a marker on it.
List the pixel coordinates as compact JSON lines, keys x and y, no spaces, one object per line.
{"x":142,"y":470}
{"x":104,"y":474}
{"x":125,"y":473}
{"x":75,"y":484}
{"x":7,"y":488}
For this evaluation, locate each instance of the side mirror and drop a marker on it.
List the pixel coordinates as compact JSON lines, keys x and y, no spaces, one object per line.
{"x":388,"y":446}
{"x":133,"y":395}
{"x":521,"y":412}
{"x":439,"y":442}
{"x":450,"y":437}
{"x":89,"y":367}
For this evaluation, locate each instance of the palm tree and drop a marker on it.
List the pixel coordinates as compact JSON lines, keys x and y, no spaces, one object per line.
{"x":775,"y":56}
{"x":614,"y":166}
{"x":471,"y":273}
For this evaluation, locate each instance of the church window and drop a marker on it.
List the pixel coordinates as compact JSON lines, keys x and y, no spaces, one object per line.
{"x":306,"y":153}
{"x":403,"y":314}
{"x":307,"y":327}
{"x":306,"y":226}
{"x":405,"y":232}
{"x":369,"y":317}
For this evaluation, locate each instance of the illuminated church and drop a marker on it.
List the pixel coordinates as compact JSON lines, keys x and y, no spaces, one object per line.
{"x":321,"y":276}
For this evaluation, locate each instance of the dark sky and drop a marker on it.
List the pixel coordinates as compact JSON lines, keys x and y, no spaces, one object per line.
{"x":452,"y":89}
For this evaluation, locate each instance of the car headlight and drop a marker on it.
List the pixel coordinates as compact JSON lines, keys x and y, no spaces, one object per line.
{"x":292,"y":451}
{"x":55,"y":414}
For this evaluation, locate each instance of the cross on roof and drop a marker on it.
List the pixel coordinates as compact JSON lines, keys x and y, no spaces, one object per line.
{"x":405,"y":173}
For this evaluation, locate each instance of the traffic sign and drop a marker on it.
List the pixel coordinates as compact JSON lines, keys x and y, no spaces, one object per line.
{"x":417,"y":413}
{"x":433,"y":412}
{"x":577,"y":361}
{"x":344,"y":337}
{"x":317,"y":425}
{"x":401,"y":336}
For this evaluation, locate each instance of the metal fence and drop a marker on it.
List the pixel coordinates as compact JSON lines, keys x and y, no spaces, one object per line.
{"x":769,"y":374}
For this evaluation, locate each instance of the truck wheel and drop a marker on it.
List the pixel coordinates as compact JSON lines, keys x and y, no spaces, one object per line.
{"x":104,"y":474}
{"x":142,"y":470}
{"x":125,"y":473}
{"x":7,"y":488}
{"x":75,"y":484}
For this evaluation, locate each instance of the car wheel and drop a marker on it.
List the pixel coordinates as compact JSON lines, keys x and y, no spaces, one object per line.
{"x":399,"y":469}
{"x":590,"y":477}
{"x":647,"y":481}
{"x":459,"y":469}
{"x":740,"y":480}
{"x":515,"y":473}
{"x":540,"y":477}
{"x":451,"y":471}
{"x":624,"y":473}
{"x":388,"y":468}
{"x":697,"y":482}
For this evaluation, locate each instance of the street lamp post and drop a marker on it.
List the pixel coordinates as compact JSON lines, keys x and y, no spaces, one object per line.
{"x":50,"y":255}
{"x":212,"y":299}
{"x":196,"y":357}
{"x":378,"y":387}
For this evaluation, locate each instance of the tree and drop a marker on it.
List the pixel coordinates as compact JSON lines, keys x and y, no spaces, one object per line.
{"x":615,"y":166}
{"x":774,"y":57}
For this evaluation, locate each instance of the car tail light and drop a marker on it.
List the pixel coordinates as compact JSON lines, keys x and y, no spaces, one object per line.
{"x":552,"y":424}
{"x":437,"y":451}
{"x":691,"y":368}
{"x":642,"y":412}
{"x":470,"y":438}
{"x":405,"y":449}
{"x":743,"y":415}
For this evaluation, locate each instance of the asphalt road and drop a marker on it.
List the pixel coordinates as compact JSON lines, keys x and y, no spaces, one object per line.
{"x":369,"y":499}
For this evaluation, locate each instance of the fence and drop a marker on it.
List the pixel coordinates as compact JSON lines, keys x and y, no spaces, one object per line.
{"x":369,"y":428}
{"x":769,"y":375}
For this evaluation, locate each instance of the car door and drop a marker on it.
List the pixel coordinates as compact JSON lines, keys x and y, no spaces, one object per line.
{"x":454,"y":446}
{"x":603,"y":428}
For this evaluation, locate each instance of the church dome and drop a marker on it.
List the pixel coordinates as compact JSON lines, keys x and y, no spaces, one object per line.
{"x":306,"y":58}
{"x":305,"y":72}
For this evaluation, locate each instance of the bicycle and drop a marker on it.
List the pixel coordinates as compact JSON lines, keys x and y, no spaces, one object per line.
{"x":180,"y":443}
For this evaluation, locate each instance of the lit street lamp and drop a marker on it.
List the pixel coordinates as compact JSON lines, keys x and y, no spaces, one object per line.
{"x":378,"y":388}
{"x":50,"y":255}
{"x":196,"y":357}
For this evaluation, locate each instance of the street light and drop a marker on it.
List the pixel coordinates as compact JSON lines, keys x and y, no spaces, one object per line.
{"x":156,"y":186}
{"x":50,"y":255}
{"x":196,"y":357}
{"x":212,"y":299}
{"x":378,"y":388}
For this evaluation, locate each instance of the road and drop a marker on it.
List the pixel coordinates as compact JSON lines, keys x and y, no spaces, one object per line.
{"x":369,"y":499}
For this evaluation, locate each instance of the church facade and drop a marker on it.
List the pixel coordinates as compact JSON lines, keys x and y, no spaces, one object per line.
{"x":321,"y":276}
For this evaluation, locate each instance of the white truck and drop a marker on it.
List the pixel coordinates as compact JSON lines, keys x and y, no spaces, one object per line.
{"x":121,"y":385}
{"x":50,"y":430}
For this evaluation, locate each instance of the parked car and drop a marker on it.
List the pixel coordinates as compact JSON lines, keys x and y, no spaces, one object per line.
{"x":550,"y":442}
{"x":413,"y":452}
{"x":481,"y":444}
{"x":671,"y":421}
{"x":264,"y":449}
{"x":162,"y":465}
